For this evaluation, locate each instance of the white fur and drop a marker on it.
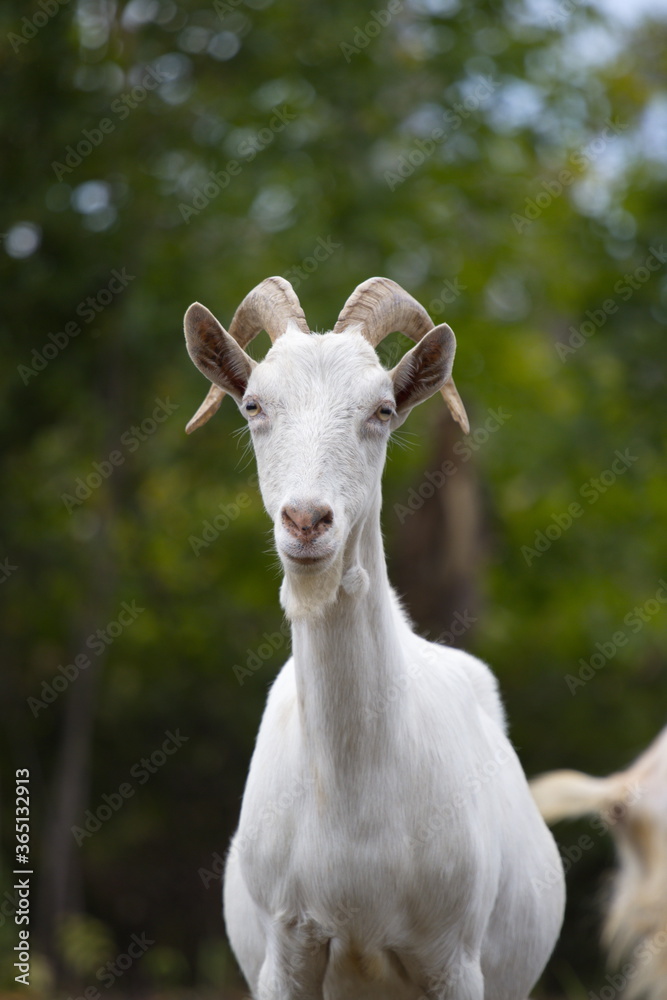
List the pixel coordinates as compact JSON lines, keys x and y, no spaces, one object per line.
{"x":632,"y":805}
{"x":388,"y":846}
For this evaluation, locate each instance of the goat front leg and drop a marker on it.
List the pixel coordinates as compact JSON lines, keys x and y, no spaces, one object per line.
{"x":460,"y":978}
{"x":296,"y":961}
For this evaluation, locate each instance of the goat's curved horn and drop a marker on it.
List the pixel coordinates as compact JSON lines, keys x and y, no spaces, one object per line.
{"x":378,"y":307}
{"x":211,"y":405}
{"x":270,"y":306}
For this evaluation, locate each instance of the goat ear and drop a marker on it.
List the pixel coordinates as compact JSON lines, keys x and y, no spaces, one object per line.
{"x":568,"y":794}
{"x":424,"y":369}
{"x":215,"y":353}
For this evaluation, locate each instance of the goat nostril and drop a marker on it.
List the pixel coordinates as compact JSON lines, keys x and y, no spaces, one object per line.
{"x":287,"y":521}
{"x":307,"y":521}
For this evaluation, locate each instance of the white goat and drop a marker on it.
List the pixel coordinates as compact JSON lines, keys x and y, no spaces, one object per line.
{"x":388,"y":846}
{"x":632,"y":805}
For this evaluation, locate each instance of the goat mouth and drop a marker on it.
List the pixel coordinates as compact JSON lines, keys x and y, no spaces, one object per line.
{"x":306,"y":560}
{"x":301,"y":556}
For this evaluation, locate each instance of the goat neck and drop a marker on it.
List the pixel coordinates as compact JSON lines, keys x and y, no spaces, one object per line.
{"x":349,"y":658}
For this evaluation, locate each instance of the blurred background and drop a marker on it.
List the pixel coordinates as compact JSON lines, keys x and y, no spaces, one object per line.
{"x":504,"y":162}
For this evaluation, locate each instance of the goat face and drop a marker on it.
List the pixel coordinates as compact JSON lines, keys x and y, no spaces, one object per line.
{"x":320,"y":409}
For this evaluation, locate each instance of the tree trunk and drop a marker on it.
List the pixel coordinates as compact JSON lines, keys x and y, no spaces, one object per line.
{"x":437,"y":549}
{"x":61,"y":876}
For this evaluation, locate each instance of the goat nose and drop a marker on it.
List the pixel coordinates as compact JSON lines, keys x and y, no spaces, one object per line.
{"x":307,"y":521}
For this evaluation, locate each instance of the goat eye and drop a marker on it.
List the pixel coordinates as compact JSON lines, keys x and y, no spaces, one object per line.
{"x":384,"y":412}
{"x":252,"y":407}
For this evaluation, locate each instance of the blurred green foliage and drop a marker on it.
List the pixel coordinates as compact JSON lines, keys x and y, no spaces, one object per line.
{"x":330,"y":116}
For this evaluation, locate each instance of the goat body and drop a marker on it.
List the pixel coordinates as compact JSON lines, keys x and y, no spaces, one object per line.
{"x":388,"y":846}
{"x":632,"y":806}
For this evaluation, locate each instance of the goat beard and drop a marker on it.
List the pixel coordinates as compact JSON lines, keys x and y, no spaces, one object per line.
{"x":306,"y":596}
